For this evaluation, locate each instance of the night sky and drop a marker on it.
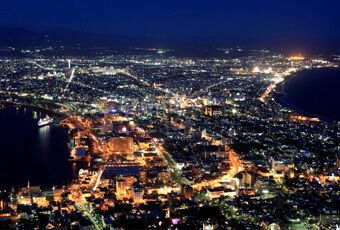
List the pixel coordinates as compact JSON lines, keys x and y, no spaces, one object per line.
{"x":210,"y":19}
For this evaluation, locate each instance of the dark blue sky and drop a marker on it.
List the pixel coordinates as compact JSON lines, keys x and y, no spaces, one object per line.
{"x":217,"y":19}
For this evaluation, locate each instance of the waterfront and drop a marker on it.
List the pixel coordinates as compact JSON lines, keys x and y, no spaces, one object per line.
{"x":313,"y":92}
{"x":32,"y":153}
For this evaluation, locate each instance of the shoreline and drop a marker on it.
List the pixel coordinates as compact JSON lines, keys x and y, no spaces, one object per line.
{"x":279,"y":94}
{"x":33,"y":106}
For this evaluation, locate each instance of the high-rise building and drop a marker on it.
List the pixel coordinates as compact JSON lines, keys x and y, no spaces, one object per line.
{"x":120,"y":188}
{"x":137,"y":195}
{"x":248,"y":180}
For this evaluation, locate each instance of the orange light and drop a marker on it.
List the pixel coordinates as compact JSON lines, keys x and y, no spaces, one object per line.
{"x":296,"y":58}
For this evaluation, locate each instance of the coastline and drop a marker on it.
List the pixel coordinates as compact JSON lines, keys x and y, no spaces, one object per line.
{"x":33,"y":106}
{"x":280,"y":93}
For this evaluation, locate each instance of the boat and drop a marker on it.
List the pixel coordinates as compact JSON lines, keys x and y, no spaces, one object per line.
{"x":45,"y":121}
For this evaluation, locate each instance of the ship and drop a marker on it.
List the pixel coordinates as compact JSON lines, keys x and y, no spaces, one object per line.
{"x":45,"y":121}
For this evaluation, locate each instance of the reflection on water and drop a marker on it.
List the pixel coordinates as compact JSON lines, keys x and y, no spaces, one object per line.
{"x":44,"y":132}
{"x":28,"y":151}
{"x":44,"y":140}
{"x":74,"y":170}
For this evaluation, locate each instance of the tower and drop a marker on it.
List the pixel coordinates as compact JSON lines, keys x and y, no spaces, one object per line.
{"x":273,"y":164}
{"x":120,"y":188}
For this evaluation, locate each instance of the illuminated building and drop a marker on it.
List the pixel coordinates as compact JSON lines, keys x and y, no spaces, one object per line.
{"x":32,"y":189}
{"x":4,"y":200}
{"x":213,"y":110}
{"x":5,"y":215}
{"x":218,"y":192}
{"x":144,"y":143}
{"x":208,"y":226}
{"x":120,"y":188}
{"x":137,"y":195}
{"x":205,"y":101}
{"x":24,"y":199}
{"x":235,"y":184}
{"x":273,"y":226}
{"x":129,"y":180}
{"x":143,"y":176}
{"x":121,"y":129}
{"x":57,"y":193}
{"x":256,"y":69}
{"x":208,"y":111}
{"x":112,"y":116}
{"x":102,"y":103}
{"x":121,"y":145}
{"x":164,"y":176}
{"x":273,"y":164}
{"x":40,"y":200}
{"x":298,"y":118}
{"x":296,"y":58}
{"x":248,"y":180}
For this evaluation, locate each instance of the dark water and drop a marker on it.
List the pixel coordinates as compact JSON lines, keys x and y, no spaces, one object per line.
{"x":28,"y":152}
{"x":314,"y":92}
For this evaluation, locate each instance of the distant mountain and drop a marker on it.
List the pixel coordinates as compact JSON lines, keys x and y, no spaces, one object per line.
{"x":23,"y":38}
{"x":20,"y":37}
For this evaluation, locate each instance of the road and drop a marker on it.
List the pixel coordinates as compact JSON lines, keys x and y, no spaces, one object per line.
{"x":236,"y":166}
{"x":172,"y":165}
{"x":95,"y":219}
